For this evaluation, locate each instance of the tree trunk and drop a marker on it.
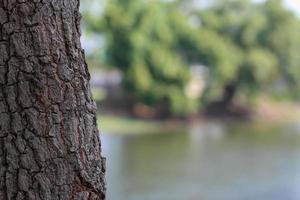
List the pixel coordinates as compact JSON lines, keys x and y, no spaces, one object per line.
{"x":49,"y":144}
{"x":229,"y":93}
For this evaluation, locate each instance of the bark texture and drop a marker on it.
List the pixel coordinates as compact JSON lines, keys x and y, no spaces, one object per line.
{"x":49,"y":144}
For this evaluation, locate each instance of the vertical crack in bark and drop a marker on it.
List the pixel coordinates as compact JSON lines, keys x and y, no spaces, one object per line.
{"x":49,"y":143}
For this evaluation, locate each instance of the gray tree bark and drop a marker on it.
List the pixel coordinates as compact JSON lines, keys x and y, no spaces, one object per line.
{"x":49,"y":144}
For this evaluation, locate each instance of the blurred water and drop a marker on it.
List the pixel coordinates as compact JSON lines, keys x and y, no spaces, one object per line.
{"x":208,"y":162}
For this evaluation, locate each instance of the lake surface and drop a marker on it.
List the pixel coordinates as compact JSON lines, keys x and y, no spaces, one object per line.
{"x":206,"y":162}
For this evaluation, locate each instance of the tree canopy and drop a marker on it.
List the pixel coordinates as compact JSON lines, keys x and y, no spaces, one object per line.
{"x":248,"y":46}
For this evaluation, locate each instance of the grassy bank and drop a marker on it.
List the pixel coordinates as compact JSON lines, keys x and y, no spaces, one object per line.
{"x":266,"y":112}
{"x":125,"y":125}
{"x":270,"y":111}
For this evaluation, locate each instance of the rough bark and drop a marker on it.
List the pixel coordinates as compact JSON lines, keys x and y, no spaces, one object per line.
{"x":49,"y":144}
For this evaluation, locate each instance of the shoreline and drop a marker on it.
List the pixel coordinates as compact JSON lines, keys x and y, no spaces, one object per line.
{"x":266,"y":112}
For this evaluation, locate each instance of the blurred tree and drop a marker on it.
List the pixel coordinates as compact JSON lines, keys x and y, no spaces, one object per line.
{"x":265,"y":40}
{"x":281,"y":35}
{"x":246,"y":47}
{"x":141,"y":42}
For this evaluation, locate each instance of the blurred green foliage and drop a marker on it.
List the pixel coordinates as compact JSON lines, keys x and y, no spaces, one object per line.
{"x":142,"y":42}
{"x":247,"y":46}
{"x":265,"y":35}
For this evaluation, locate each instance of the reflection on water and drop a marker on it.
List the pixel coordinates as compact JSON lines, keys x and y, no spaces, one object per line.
{"x":209,"y":162}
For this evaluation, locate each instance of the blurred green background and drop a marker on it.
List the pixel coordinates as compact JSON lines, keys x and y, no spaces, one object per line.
{"x":176,"y":58}
{"x":177,"y":78}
